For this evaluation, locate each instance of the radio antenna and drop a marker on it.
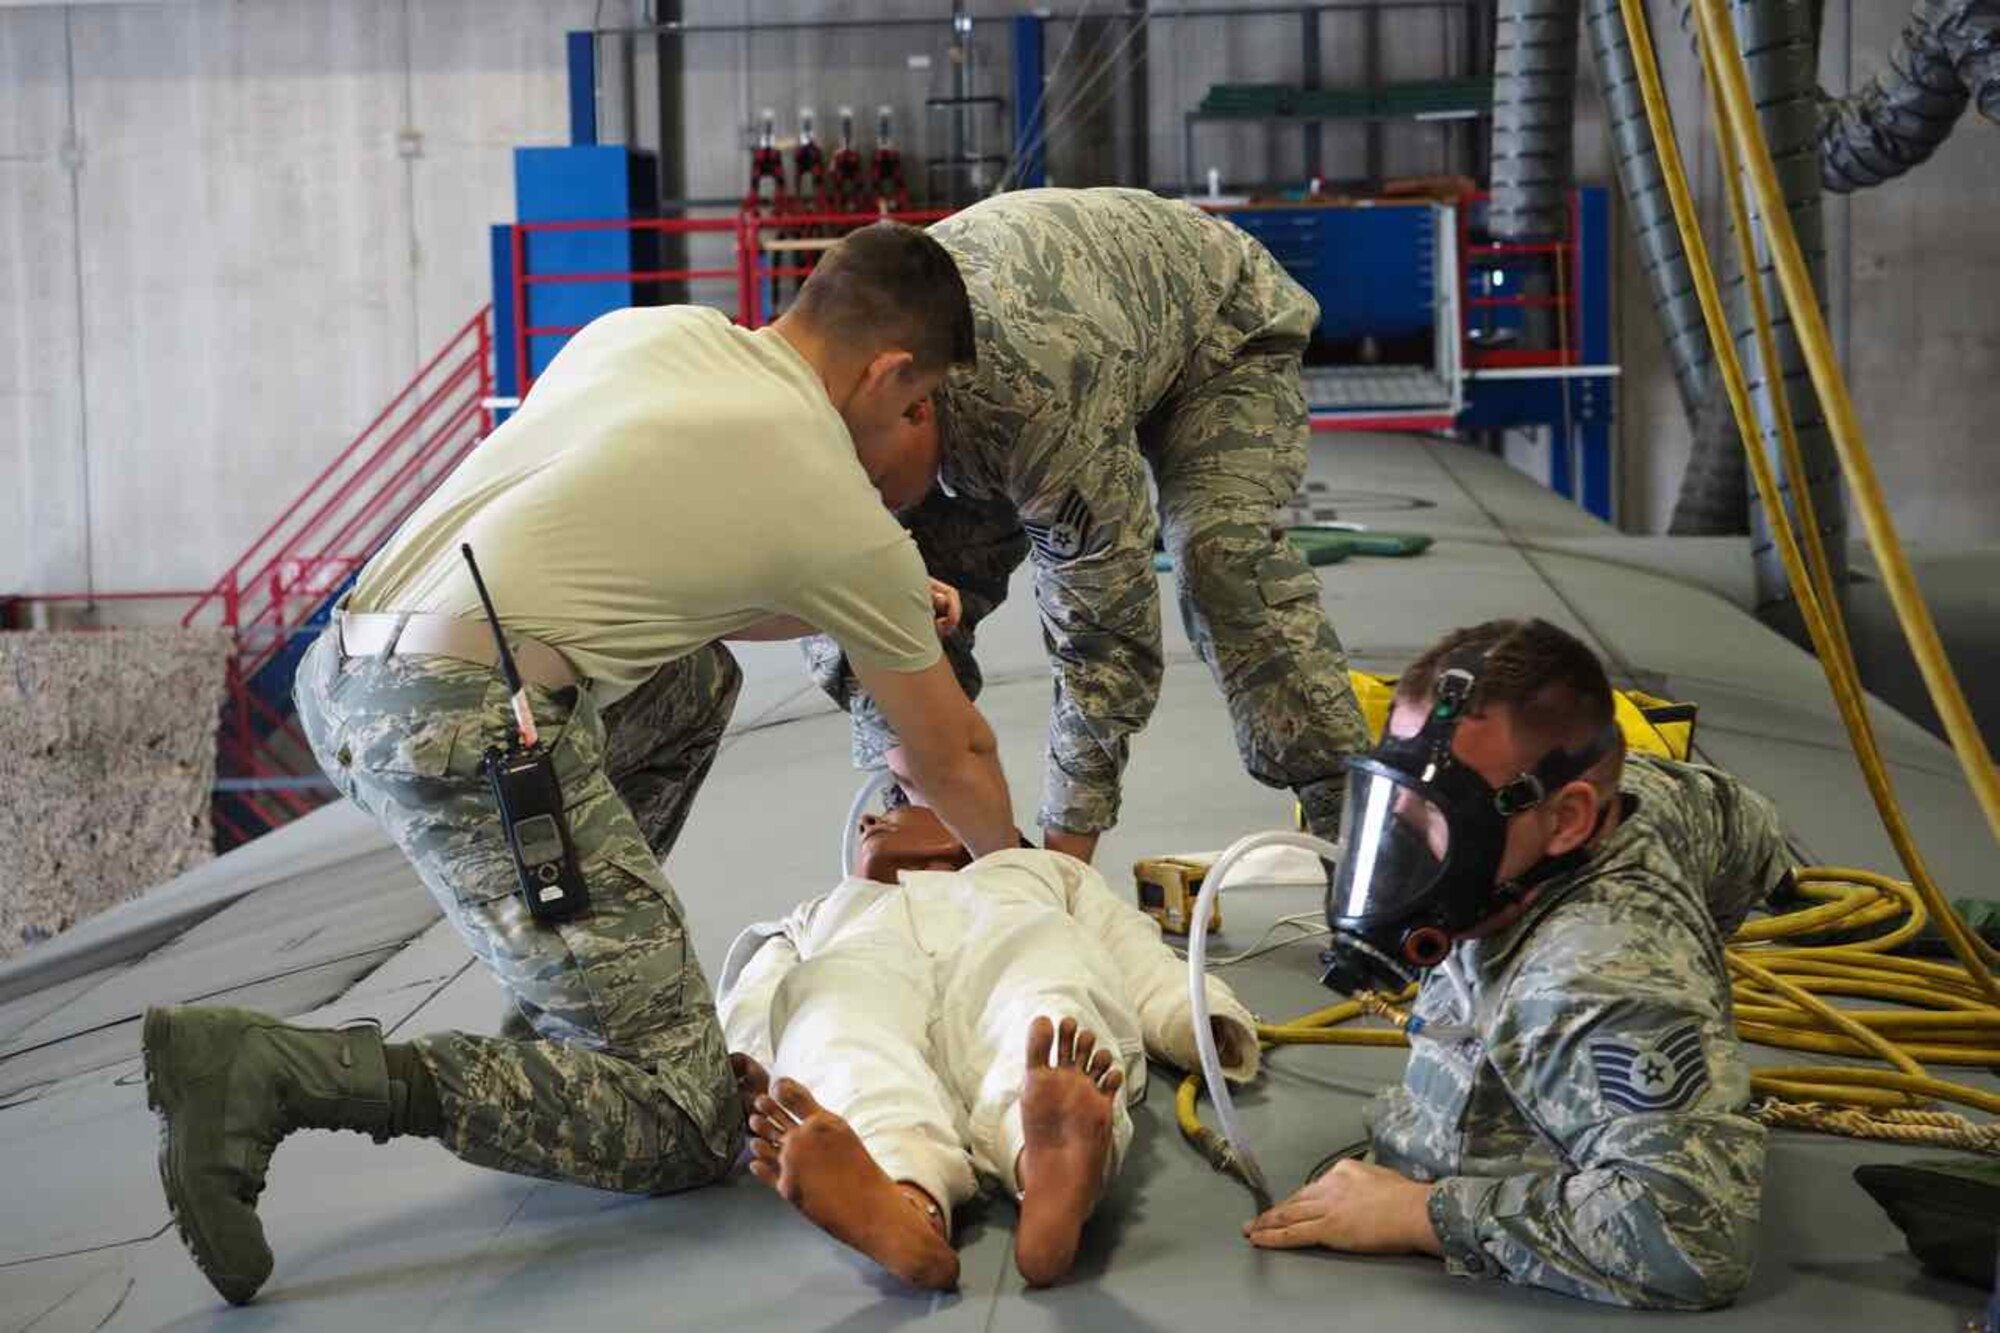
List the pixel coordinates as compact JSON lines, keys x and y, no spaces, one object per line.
{"x":524,"y":715}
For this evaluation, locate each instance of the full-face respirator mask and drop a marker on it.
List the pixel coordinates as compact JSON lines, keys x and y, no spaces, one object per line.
{"x":1424,"y":836}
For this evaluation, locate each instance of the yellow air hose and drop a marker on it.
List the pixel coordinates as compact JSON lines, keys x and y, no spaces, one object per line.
{"x":1933,"y":1012}
{"x":1829,"y":644}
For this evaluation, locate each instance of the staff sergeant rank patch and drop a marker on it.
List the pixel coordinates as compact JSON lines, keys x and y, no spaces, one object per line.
{"x":1663,"y":1072}
{"x":1063,"y":539}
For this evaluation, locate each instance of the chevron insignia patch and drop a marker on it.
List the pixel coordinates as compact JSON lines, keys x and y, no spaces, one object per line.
{"x":1663,"y":1072}
{"x":1062,"y":539}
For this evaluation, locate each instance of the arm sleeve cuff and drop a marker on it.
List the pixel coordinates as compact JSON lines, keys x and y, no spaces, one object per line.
{"x":1456,"y":1206}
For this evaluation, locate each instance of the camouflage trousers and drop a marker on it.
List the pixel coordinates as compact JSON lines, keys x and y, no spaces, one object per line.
{"x":1224,"y":453}
{"x":625,"y":1084}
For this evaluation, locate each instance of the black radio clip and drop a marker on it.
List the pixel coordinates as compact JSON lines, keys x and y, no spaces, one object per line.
{"x":529,"y":798}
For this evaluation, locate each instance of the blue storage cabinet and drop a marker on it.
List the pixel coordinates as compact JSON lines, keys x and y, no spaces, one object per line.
{"x":594,"y":183}
{"x":1371,"y":268}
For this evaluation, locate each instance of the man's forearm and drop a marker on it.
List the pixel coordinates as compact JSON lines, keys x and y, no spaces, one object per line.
{"x":969,"y":792}
{"x":1674,"y":1248}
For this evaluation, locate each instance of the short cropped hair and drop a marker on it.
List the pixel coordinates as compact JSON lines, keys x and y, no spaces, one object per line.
{"x":1552,"y":685}
{"x":888,"y":286}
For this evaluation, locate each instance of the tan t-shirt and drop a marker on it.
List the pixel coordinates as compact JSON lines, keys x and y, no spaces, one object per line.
{"x":672,"y":479}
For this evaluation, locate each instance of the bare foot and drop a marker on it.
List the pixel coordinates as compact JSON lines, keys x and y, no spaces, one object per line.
{"x":1066,"y":1113}
{"x":819,"y":1165}
{"x":752,"y":1081}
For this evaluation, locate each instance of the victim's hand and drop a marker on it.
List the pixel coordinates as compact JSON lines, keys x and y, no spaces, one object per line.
{"x":1356,"y":1207}
{"x":946,"y":609}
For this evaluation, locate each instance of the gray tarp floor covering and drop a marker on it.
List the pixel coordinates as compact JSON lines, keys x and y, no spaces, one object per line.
{"x":324,"y":921}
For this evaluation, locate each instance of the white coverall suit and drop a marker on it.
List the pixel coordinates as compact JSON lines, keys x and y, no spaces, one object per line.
{"x":905,"y":1008}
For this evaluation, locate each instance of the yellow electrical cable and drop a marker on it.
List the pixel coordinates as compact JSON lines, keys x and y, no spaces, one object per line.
{"x":1940,"y":1017}
{"x":1284,"y":1034}
{"x":1733,"y":91}
{"x":1819,"y":1008}
{"x":1834,"y":656}
{"x":1775,"y":993}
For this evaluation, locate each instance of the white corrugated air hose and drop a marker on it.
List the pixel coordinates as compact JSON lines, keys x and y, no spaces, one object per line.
{"x":1237,"y":1146}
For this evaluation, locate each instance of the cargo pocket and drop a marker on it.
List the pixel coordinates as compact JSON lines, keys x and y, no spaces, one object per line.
{"x":423,"y":746}
{"x":1284,"y":578}
{"x":631,"y":949}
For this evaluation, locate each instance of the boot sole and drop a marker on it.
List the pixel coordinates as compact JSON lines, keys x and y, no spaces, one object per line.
{"x":155,"y":1044}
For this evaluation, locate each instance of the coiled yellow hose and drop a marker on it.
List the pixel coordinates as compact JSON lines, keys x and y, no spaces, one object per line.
{"x":1938,"y":1013}
{"x":1934,"y":1014}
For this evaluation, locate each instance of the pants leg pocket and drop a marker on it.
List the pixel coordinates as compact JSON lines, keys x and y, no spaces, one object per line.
{"x":631,"y":948}
{"x":1283,"y":577}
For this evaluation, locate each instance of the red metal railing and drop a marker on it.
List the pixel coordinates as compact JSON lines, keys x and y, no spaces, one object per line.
{"x":1561,"y":256}
{"x":272,"y":593}
{"x":747,"y":269}
{"x":335,"y":522}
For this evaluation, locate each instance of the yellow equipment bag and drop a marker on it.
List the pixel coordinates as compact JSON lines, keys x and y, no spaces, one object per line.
{"x":1651,"y":725}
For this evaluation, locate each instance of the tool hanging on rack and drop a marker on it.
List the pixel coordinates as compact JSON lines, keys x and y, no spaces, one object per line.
{"x":846,"y":187}
{"x":808,"y":167}
{"x":767,"y":193}
{"x":892,"y":192}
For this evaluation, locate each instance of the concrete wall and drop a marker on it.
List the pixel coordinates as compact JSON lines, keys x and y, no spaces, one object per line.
{"x":228,"y":231}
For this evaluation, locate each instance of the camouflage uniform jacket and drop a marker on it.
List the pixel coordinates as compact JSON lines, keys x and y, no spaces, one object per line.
{"x":1094,"y":308}
{"x":1580,"y":1097}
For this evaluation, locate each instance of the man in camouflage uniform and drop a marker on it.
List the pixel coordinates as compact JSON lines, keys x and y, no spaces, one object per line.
{"x":618,"y":518}
{"x":1573,"y":1112}
{"x":1121,"y":335}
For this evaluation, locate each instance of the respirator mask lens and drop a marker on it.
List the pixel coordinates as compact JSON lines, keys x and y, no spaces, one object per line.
{"x":1397,"y":842}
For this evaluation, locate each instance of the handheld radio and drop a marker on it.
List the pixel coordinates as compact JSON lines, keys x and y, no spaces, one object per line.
{"x":523,"y":777}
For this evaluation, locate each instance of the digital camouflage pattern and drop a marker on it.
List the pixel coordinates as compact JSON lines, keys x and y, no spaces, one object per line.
{"x":1580,"y":1096}
{"x":661,"y":739}
{"x":628,"y":1085}
{"x":1122,"y":334}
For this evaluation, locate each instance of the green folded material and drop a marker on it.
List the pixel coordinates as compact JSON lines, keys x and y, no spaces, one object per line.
{"x":1374,"y":541}
{"x":1330,"y":546}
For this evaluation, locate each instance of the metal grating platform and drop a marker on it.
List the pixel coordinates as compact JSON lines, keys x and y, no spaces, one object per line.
{"x":1375,"y":388}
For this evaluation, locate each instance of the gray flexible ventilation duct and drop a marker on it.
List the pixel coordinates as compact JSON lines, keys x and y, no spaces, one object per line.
{"x":1948,"y":54}
{"x":1780,"y":50}
{"x":1534,"y":117}
{"x":1533,"y":98}
{"x":1651,"y":214}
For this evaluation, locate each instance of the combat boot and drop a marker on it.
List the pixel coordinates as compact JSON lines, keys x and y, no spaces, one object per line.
{"x":228,"y":1085}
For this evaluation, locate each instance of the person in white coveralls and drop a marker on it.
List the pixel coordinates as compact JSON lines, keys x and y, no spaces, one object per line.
{"x":934,"y":1020}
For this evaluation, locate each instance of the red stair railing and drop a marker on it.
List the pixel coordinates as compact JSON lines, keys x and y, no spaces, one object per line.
{"x":270,"y":595}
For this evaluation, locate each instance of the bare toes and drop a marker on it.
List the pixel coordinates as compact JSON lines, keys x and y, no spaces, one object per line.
{"x":1041,"y":1041}
{"x":764,"y":1171}
{"x":1112,"y":1080}
{"x":796,"y":1098}
{"x":1086,"y":1043}
{"x":768,"y":1108}
{"x":1099,"y":1063}
{"x":1066,"y":1042}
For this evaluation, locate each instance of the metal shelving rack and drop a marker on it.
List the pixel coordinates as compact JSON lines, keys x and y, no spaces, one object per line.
{"x":1477,"y":16}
